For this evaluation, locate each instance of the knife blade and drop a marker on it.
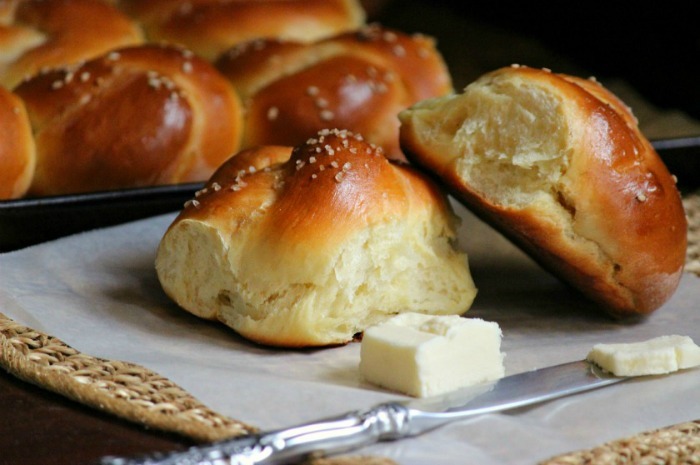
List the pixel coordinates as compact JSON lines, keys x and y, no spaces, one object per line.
{"x":387,"y":421}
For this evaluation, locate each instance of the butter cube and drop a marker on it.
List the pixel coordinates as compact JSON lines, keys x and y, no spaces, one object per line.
{"x":425,"y":355}
{"x":661,"y":355}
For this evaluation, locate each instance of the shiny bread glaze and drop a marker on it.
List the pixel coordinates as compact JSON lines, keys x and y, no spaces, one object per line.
{"x":138,"y":116}
{"x":358,"y":80}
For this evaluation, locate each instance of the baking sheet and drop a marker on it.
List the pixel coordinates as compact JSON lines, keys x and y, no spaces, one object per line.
{"x":98,"y":292}
{"x":29,"y":221}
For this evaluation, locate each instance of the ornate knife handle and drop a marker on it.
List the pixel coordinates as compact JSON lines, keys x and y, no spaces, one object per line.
{"x":333,"y":435}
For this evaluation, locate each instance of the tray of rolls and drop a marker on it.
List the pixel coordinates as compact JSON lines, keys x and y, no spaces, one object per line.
{"x":97,"y":132}
{"x":171,"y":89}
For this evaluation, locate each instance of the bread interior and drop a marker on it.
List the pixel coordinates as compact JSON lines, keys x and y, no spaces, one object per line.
{"x":508,"y":140}
{"x":315,"y":299}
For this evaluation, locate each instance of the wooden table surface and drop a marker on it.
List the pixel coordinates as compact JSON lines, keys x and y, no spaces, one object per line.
{"x":39,"y":427}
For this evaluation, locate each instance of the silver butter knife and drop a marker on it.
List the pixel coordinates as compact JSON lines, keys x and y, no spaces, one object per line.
{"x":386,"y":421}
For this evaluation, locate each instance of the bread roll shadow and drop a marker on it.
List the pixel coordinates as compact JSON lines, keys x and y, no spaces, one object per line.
{"x":511,"y":285}
{"x":140,"y":303}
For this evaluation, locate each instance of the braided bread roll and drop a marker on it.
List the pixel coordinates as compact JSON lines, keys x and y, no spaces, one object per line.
{"x":308,"y":247}
{"x":44,"y":34}
{"x":559,"y":165}
{"x":17,"y":152}
{"x":209,"y":27}
{"x":357,"y":81}
{"x":138,"y":116}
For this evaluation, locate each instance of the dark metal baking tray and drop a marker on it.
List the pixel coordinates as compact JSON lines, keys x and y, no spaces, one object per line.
{"x":26,"y":222}
{"x":682,"y":157}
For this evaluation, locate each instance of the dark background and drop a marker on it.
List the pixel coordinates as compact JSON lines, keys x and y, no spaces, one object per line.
{"x":655,"y":48}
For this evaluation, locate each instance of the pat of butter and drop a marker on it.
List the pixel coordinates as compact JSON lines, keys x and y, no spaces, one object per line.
{"x":425,"y":355}
{"x":656,"y":356}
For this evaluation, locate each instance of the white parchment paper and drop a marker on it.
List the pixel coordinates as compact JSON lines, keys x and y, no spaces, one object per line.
{"x":99,"y":293}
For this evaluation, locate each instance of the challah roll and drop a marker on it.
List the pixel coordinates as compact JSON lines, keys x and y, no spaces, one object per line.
{"x":134,"y":117}
{"x":208,"y":27}
{"x":17,"y":154}
{"x":43,"y":34}
{"x":558,"y":164}
{"x":358,"y":80}
{"x":308,"y":247}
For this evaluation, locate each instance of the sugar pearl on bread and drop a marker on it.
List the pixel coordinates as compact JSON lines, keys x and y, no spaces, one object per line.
{"x":212,"y":27}
{"x":314,"y":244}
{"x":137,"y":116}
{"x":38,"y":35}
{"x":357,"y":80}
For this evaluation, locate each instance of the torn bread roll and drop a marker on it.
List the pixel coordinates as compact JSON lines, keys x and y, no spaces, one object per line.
{"x":138,"y":116}
{"x":358,"y":80}
{"x":558,"y":164}
{"x":308,"y":247}
{"x":38,"y":35}
{"x":209,"y":27}
{"x":17,"y":150}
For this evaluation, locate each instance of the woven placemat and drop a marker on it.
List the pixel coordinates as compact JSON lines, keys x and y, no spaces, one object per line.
{"x":123,"y":389}
{"x":692,"y":210}
{"x":673,"y":445}
{"x":137,"y":394}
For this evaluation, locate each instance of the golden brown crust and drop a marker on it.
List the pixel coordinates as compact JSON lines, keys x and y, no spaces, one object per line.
{"x":137,"y":116}
{"x":358,"y":81}
{"x":307,"y":247}
{"x":324,"y":190}
{"x":44,"y":34}
{"x":209,"y":27}
{"x":17,"y":152}
{"x":614,"y":226}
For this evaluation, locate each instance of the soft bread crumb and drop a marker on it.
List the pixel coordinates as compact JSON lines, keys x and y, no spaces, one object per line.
{"x":508,"y":142}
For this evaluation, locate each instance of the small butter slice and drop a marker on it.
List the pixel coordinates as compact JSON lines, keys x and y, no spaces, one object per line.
{"x":661,"y":355}
{"x":425,"y":355}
